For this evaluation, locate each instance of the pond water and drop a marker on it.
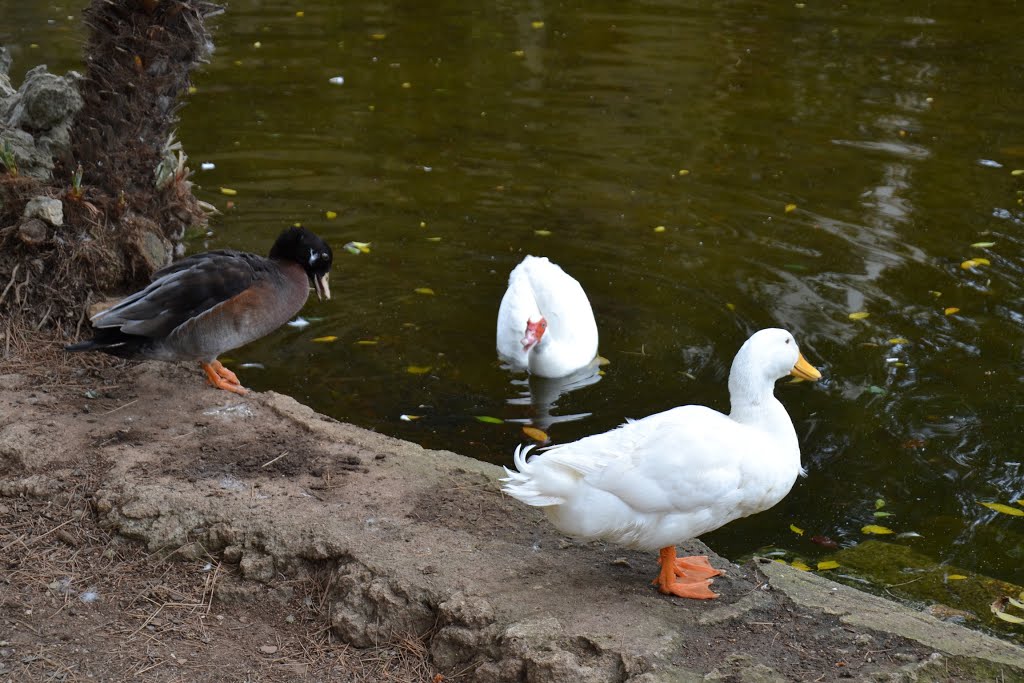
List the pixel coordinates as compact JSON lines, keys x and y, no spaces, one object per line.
{"x":807,"y":162}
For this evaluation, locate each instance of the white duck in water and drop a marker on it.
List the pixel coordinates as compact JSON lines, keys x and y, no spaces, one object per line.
{"x":655,"y":482}
{"x":545,"y":323}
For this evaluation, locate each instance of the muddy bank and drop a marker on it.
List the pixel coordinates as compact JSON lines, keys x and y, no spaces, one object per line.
{"x":404,"y":543}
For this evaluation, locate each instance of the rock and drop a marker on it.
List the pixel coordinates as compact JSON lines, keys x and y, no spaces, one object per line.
{"x":257,"y":567}
{"x":6,"y":90}
{"x":45,"y":100}
{"x":156,"y":250}
{"x":32,"y":232}
{"x":232,"y":554}
{"x":44,"y":106}
{"x":49,"y":209}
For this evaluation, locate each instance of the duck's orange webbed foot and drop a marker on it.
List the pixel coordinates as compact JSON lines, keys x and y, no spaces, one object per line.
{"x":225,"y":374}
{"x":695,"y":567}
{"x":222,"y":378}
{"x":685,"y":577}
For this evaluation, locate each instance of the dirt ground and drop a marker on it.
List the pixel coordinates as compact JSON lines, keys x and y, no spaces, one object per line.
{"x":154,"y":529}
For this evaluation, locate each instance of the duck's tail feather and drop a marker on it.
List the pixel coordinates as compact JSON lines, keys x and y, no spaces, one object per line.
{"x":529,"y":481}
{"x":113,"y":341}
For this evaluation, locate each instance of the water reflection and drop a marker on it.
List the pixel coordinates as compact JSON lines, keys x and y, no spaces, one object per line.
{"x":541,"y":394}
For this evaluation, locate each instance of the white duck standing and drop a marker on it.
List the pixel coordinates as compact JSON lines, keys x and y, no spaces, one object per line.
{"x":545,"y":323}
{"x":655,"y":482}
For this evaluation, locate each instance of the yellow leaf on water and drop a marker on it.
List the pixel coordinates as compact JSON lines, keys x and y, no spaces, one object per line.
{"x":875,"y":529}
{"x":683,"y":172}
{"x":300,"y":13}
{"x":796,"y":530}
{"x":542,"y":233}
{"x":898,"y":340}
{"x":424,"y":290}
{"x":827,"y":564}
{"x":1019,"y":501}
{"x":790,"y":208}
{"x":1012,"y":618}
{"x":192,"y":90}
{"x":660,"y":228}
{"x":409,"y":418}
{"x":951,"y":310}
{"x":423,"y":224}
{"x":433,"y":239}
{"x":983,"y":245}
{"x":935,"y":293}
{"x":418,"y":369}
{"x":367,"y":342}
{"x":228,"y":191}
{"x":974,"y":263}
{"x":859,"y":315}
{"x":378,"y":36}
{"x":1005,"y":509}
{"x":324,"y":340}
{"x":537,"y":24}
{"x":998,"y":607}
{"x":331,"y":215}
{"x":731,"y":307}
{"x":519,"y":53}
{"x":535,"y":434}
{"x":1019,"y":171}
{"x":797,"y":564}
{"x":956,"y":577}
{"x":406,"y":85}
{"x":357,"y":247}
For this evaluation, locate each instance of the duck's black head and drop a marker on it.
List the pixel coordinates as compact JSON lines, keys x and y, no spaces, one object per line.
{"x":310,"y":252}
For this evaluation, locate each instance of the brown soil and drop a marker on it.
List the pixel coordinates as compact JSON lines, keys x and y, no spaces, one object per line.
{"x":228,"y":539}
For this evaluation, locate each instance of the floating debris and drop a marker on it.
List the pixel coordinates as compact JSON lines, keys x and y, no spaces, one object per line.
{"x":336,"y":80}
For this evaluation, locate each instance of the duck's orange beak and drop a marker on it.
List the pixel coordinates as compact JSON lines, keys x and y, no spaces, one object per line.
{"x":805,"y":370}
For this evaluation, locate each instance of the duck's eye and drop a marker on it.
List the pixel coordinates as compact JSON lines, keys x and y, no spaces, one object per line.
{"x":787,"y":341}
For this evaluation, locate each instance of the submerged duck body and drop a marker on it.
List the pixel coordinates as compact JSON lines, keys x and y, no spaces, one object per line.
{"x":672,"y":476}
{"x":209,"y":303}
{"x":545,"y":322}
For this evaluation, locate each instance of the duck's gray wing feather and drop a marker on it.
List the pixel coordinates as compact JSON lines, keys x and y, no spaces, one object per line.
{"x":184,"y":290}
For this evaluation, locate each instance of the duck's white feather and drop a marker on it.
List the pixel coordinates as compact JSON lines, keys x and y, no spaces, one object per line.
{"x":539,"y":288}
{"x":674,"y":475}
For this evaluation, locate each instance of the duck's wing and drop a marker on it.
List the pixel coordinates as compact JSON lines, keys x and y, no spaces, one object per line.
{"x":563,"y":303}
{"x":681,"y":457}
{"x":184,"y":290}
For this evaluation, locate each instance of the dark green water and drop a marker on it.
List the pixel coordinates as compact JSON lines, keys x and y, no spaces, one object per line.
{"x":893,"y":130}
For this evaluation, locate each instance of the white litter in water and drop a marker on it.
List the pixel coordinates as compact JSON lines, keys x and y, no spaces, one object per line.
{"x":990,"y":163}
{"x":337,"y":80}
{"x":207,"y":166}
{"x":258,"y":366}
{"x":299,"y":322}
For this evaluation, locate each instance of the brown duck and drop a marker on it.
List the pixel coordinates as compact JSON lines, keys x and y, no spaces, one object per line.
{"x":209,"y":303}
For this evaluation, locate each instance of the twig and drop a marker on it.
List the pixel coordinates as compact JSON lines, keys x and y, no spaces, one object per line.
{"x":114,"y":410}
{"x":271,"y":462}
{"x":14,"y":274}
